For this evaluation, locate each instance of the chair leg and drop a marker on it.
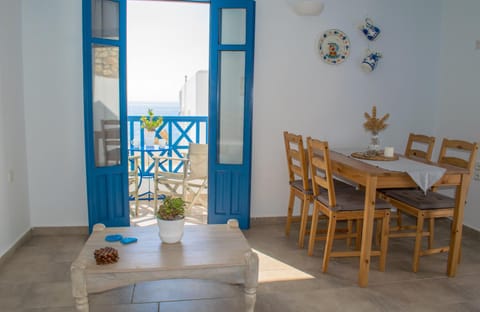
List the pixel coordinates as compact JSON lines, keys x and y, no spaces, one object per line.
{"x":349,"y":231}
{"x":303,"y":222}
{"x":332,"y":223}
{"x":431,"y":230}
{"x":358,"y":239}
{"x":313,"y":230}
{"x":384,"y":240}
{"x":418,"y":241}
{"x":399,"y":219}
{"x":291,"y":200}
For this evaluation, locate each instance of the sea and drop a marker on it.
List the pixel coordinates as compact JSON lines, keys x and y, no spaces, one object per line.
{"x":138,"y":108}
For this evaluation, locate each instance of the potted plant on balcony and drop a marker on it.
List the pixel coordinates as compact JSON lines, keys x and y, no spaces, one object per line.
{"x":150,"y":123}
{"x":170,"y":219}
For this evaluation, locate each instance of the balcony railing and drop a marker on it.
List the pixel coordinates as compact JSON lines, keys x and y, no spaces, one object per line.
{"x":180,"y":132}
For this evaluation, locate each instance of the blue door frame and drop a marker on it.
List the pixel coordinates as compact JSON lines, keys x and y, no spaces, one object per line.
{"x":229,"y":185}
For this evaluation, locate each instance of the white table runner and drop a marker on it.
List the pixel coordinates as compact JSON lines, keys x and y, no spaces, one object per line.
{"x":424,"y":175}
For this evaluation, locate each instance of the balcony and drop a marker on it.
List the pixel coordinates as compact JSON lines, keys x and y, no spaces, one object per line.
{"x":179,"y":132}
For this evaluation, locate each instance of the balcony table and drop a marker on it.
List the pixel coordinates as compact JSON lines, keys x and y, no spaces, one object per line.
{"x":373,"y":178}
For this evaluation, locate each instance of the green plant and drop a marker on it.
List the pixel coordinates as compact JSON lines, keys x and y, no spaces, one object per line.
{"x":172,"y":208}
{"x":150,"y":122}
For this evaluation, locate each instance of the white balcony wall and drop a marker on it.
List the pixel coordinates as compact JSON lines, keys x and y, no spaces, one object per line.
{"x":14,"y":210}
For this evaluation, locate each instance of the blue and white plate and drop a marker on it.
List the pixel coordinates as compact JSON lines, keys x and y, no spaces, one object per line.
{"x":334,"y":46}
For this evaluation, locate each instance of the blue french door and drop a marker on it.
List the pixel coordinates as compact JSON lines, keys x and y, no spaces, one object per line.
{"x":230,"y":110}
{"x":105,"y":114}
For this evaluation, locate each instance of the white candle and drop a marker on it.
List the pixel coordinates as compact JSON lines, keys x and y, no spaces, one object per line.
{"x":388,"y":152}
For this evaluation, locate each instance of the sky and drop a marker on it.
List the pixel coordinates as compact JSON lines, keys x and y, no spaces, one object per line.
{"x":166,"y":41}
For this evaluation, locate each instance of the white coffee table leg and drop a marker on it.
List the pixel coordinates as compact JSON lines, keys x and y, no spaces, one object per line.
{"x":251,"y":280}
{"x":79,"y":285}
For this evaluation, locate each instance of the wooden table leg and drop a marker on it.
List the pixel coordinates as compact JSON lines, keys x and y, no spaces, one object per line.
{"x":251,"y":281}
{"x":456,"y":235}
{"x":367,"y":231}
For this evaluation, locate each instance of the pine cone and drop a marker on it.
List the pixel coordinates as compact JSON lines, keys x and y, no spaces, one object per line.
{"x":106,"y":255}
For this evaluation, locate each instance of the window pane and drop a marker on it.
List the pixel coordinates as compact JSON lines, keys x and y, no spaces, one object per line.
{"x":105,"y":19}
{"x":233,"y":26}
{"x":232,"y":99}
{"x":106,"y":105}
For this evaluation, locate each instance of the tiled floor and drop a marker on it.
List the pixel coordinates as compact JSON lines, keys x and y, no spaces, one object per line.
{"x":37,"y":279}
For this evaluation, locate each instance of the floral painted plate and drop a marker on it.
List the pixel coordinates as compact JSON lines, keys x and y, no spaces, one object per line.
{"x":334,"y":46}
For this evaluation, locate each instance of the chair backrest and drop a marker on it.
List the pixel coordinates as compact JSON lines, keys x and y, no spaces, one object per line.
{"x":320,"y":169}
{"x":296,"y":159}
{"x":417,"y":141}
{"x":198,"y":160}
{"x":111,"y":140}
{"x":452,"y":151}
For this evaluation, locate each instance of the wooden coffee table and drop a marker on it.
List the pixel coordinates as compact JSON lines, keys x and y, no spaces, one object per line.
{"x":212,"y":252}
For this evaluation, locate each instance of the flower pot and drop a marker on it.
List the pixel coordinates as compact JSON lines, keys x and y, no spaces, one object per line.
{"x":170,"y":231}
{"x":149,"y":137}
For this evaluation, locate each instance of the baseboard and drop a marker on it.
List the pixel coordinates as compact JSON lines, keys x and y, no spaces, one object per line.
{"x":22,"y":240}
{"x":59,"y":230}
{"x":267,"y":220}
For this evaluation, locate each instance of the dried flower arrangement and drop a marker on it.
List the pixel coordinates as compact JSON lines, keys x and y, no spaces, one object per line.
{"x":374,"y":124}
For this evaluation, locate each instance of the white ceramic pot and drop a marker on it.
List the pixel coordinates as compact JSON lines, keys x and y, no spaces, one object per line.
{"x":149,"y":137}
{"x":170,"y":231}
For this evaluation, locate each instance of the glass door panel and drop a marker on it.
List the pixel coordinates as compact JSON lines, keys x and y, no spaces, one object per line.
{"x":232,"y":99}
{"x":105,"y":19}
{"x":106,"y":105}
{"x":233,"y":29}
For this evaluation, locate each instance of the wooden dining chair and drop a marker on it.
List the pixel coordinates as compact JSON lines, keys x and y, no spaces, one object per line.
{"x":432,"y":205}
{"x":346,"y":203}
{"x":418,"y":146}
{"x":300,"y":185}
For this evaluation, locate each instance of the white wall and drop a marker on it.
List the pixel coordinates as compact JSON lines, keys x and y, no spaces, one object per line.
{"x":15,"y":219}
{"x":298,"y":92}
{"x":458,"y":112}
{"x":52,"y":52}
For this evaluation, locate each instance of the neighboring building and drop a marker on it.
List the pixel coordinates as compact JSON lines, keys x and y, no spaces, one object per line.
{"x":194,"y":95}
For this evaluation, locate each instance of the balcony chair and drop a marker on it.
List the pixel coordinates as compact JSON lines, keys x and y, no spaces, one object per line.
{"x":190,"y":182}
{"x":433,"y":204}
{"x":133,"y":180}
{"x":346,"y":203}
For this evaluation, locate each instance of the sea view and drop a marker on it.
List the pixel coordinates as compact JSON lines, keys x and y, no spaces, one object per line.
{"x":135,"y":108}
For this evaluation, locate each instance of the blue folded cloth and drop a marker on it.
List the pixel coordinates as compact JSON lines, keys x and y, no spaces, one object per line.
{"x":129,"y":240}
{"x":113,"y":238}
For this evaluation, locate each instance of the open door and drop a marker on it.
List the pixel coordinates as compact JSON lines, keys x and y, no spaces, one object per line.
{"x":230,"y":111}
{"x":104,"y":38}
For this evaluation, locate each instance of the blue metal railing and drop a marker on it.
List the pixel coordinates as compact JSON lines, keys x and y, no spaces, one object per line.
{"x":180,"y":132}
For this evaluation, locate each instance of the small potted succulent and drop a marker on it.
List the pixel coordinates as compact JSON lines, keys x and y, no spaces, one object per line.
{"x":170,"y":219}
{"x":150,"y":123}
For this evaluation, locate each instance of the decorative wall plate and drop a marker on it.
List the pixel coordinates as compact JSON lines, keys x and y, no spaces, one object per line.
{"x":334,"y":46}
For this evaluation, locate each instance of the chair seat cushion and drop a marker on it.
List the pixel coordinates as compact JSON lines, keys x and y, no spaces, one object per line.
{"x":298,"y":184}
{"x":350,"y":199}
{"x":418,"y":199}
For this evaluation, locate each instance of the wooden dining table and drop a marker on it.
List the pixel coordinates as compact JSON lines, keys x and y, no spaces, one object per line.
{"x":373,"y":178}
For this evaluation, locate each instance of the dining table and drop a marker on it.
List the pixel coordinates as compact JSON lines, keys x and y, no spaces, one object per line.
{"x":373,"y":178}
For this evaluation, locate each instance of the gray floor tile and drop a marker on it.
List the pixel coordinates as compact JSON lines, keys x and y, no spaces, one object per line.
{"x":37,"y":279}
